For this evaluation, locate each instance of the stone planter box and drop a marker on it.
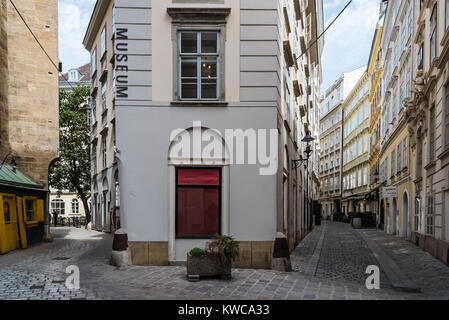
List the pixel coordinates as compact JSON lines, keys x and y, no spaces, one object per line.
{"x":357,"y":223}
{"x":208,"y":266}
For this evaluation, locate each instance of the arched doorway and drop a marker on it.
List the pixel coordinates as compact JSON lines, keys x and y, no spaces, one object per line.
{"x":405,"y":215}
{"x":394,"y":216}
{"x":192,"y":176}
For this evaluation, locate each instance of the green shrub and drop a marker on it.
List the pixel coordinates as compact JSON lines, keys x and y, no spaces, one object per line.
{"x":196,"y":252}
{"x":225,"y":246}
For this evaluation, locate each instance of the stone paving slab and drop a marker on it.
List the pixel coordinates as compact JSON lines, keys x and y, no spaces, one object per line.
{"x":22,"y":269}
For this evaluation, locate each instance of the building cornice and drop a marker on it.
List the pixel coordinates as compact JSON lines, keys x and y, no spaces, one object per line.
{"x":95,"y":22}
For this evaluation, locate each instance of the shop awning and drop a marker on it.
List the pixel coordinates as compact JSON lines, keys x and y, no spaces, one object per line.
{"x":14,"y":178}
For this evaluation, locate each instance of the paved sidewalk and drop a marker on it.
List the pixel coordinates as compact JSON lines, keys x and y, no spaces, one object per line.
{"x":35,"y":274}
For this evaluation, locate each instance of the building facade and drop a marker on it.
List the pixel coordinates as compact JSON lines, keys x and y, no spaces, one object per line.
{"x":428,"y":122}
{"x":356,"y":115}
{"x":178,"y":74}
{"x":29,"y":103}
{"x":375,"y":100}
{"x":105,"y":194}
{"x":395,"y":168}
{"x":331,"y":141}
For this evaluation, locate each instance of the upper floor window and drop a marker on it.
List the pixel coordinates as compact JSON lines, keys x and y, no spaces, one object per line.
{"x":433,"y":33}
{"x":410,"y":23}
{"x":103,"y":95}
{"x":421,"y":56}
{"x":93,"y":61}
{"x":199,"y":65}
{"x":94,"y":157}
{"x":75,"y":206}
{"x":94,"y":108}
{"x":104,"y":151}
{"x":432,"y":134}
{"x":73,"y":75}
{"x":58,"y":206}
{"x":103,"y":41}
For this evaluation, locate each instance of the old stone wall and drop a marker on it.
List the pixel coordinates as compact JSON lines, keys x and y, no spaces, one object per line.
{"x":3,"y":82}
{"x":32,"y":125}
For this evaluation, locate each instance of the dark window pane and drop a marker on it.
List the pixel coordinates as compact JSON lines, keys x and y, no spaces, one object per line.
{"x":198,"y":211}
{"x":208,"y":68}
{"x":6,"y":212}
{"x":189,"y":42}
{"x":208,"y":42}
{"x":188,"y":68}
{"x":208,"y":89}
{"x":188,"y":89}
{"x":210,"y":177}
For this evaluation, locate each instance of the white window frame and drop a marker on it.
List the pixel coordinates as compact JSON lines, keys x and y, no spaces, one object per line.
{"x":198,"y":56}
{"x":103,"y":41}
{"x":94,"y":108}
{"x":104,"y":95}
{"x":75,"y":206}
{"x":433,"y":33}
{"x":93,"y":61}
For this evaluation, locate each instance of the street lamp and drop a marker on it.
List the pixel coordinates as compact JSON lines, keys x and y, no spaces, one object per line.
{"x":307,"y":139}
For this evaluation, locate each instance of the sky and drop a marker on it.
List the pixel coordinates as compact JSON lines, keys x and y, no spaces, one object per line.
{"x":74,"y":16}
{"x":347,"y":42}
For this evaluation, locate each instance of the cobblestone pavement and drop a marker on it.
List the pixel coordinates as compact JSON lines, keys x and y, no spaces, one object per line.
{"x":39,"y":272}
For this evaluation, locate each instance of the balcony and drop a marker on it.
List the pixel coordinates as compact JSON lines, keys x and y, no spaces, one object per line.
{"x":297,"y":7}
{"x":296,"y":89}
{"x":302,"y":43}
{"x":288,"y":55}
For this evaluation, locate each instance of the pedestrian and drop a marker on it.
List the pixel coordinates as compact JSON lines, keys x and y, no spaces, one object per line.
{"x":55,"y":218}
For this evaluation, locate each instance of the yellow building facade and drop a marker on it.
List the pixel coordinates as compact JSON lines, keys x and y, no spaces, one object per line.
{"x":395,"y":179}
{"x":395,"y":174}
{"x":375,"y":98}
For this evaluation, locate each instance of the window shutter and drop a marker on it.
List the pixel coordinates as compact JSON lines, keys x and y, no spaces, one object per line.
{"x":40,"y":210}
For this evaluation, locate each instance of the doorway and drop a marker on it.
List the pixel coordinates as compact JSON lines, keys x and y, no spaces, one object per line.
{"x":405,"y":215}
{"x":382,"y":215}
{"x":394,"y":216}
{"x":11,"y":240}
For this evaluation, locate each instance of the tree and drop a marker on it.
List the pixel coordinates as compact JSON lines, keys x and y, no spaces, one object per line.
{"x":72,"y":169}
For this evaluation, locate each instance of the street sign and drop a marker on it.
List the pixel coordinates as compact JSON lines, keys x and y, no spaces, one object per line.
{"x":390,"y":192}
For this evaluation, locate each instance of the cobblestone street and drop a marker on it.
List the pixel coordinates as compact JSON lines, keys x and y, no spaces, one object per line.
{"x":329,"y":263}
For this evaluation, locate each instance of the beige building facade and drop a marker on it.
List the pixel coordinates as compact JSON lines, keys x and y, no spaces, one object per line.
{"x":105,"y":202}
{"x":428,"y":119}
{"x":331,"y":140}
{"x":29,"y":125}
{"x":356,"y":115}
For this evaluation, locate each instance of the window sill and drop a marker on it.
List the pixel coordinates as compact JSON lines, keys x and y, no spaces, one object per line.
{"x":444,"y":154}
{"x":430,"y":165}
{"x":199,"y":103}
{"x":103,"y":56}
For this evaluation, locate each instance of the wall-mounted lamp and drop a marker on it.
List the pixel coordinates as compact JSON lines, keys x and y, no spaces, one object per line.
{"x":13,"y":164}
{"x":307,"y":139}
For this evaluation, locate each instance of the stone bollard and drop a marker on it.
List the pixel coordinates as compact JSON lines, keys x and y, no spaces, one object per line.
{"x":281,"y":254}
{"x":121,"y":253}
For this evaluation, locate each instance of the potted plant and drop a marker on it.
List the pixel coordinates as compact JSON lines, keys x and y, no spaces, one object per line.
{"x":214,"y":261}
